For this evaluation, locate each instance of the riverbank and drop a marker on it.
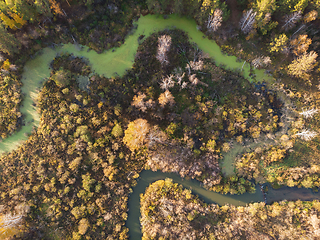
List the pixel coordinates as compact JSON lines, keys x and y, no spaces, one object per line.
{"x":76,"y":161}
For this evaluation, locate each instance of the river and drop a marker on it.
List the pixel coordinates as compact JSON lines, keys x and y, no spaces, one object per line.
{"x":116,"y":62}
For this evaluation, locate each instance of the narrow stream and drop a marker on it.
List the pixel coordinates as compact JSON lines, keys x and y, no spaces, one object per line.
{"x":110,"y":63}
{"x":116,"y":62}
{"x":148,"y":177}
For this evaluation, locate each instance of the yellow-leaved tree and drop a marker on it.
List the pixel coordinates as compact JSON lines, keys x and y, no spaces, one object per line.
{"x":135,"y":134}
{"x":9,"y":225}
{"x":304,"y":64}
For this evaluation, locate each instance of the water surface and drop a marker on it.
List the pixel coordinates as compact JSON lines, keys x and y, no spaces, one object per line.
{"x":116,"y":62}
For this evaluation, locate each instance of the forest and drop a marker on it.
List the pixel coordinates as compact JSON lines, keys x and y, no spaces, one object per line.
{"x":175,"y":110}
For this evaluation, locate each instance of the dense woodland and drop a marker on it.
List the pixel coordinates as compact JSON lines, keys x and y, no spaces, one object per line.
{"x":174,"y":111}
{"x":171,"y":212}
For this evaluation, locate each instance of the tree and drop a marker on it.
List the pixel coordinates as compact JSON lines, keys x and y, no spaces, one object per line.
{"x":43,"y":7}
{"x":158,"y":6}
{"x":167,"y":82}
{"x":8,"y":42}
{"x":264,"y":10}
{"x":117,"y":130}
{"x":291,"y":20}
{"x":166,"y":98}
{"x":9,"y":224}
{"x":279,"y":44}
{"x":288,"y":6}
{"x":135,"y":134}
{"x":247,"y":21}
{"x":307,"y":134}
{"x":310,"y":16}
{"x":83,"y":226}
{"x":300,"y":44}
{"x":164,"y":43}
{"x":214,"y":20}
{"x":302,"y":65}
{"x":62,"y":77}
{"x":309,"y":113}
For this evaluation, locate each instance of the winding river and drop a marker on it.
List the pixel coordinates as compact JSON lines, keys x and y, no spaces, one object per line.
{"x":115,"y":62}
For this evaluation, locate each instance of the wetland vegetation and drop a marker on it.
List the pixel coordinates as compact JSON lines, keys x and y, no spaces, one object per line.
{"x":159,"y":96}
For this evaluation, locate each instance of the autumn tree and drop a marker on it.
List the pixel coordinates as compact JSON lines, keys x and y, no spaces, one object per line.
{"x":310,"y":16}
{"x":304,"y":64}
{"x":214,"y":20}
{"x":135,"y":134}
{"x":166,"y":98}
{"x":55,"y":6}
{"x":13,"y":21}
{"x":9,"y":224}
{"x":300,"y":44}
{"x":83,"y":226}
{"x":264,"y":10}
{"x":117,"y":130}
{"x":279,"y":43}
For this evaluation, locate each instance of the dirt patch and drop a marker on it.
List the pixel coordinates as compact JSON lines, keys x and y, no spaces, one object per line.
{"x":236,"y":13}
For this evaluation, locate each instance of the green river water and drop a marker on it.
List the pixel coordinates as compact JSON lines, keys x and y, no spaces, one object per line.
{"x":111,"y":63}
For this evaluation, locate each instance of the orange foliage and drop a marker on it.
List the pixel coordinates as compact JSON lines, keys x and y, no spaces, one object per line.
{"x":8,"y":228}
{"x":136,"y":133}
{"x":55,"y":7}
{"x":14,"y":21}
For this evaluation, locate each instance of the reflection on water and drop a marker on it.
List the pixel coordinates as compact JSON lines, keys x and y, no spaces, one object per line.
{"x":115,"y":63}
{"x":147,"y":177}
{"x":111,"y":63}
{"x":291,"y":194}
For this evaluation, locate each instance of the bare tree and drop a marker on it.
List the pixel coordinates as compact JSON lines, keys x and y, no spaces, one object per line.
{"x":291,"y":20}
{"x":164,"y":43}
{"x":247,"y":21}
{"x":156,"y":136}
{"x":261,"y":61}
{"x":167,"y":82}
{"x":307,"y":134}
{"x":214,"y":21}
{"x":179,"y":78}
{"x":308,"y":113}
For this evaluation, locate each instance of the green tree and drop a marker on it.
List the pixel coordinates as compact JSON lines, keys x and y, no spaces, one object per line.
{"x":264,"y":10}
{"x":43,"y":7}
{"x":8,"y":42}
{"x":117,"y":130}
{"x":62,"y":77}
{"x":289,"y":6}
